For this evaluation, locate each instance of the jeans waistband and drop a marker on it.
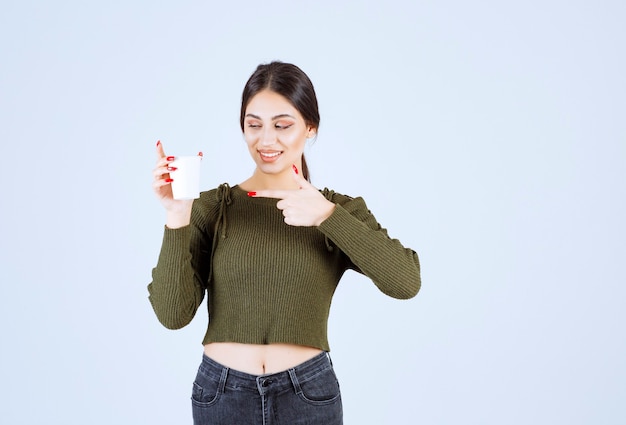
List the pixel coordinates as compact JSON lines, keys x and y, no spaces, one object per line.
{"x":279,"y":381}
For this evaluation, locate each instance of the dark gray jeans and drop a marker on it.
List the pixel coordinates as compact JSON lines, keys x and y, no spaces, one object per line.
{"x":306,"y":394}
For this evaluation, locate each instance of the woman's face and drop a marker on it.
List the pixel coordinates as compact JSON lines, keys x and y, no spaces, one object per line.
{"x":275,"y":132}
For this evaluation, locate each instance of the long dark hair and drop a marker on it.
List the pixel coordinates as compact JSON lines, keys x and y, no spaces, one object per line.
{"x":292,"y":83}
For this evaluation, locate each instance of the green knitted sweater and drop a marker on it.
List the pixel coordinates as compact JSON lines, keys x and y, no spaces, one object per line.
{"x":268,"y":282}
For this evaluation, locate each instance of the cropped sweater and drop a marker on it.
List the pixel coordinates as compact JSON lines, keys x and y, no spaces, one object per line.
{"x":268,"y":282}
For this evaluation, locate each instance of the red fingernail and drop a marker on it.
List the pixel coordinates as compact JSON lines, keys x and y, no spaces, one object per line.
{"x":172,"y":168}
{"x":169,"y":180}
{"x":171,"y":158}
{"x":200,"y":154}
{"x":295,"y":169}
{"x":158,"y":142}
{"x":251,"y":193}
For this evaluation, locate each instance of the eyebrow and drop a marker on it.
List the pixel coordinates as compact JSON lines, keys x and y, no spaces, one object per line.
{"x":274,"y":118}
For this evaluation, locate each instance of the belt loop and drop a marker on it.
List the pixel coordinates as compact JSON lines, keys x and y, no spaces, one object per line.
{"x":329,"y":359}
{"x":223,"y":379}
{"x":294,"y":380}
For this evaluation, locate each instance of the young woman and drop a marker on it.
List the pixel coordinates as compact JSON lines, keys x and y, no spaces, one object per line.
{"x":269,"y":253}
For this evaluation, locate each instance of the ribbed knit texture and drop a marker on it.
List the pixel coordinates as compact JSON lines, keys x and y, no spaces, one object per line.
{"x":268,"y":282}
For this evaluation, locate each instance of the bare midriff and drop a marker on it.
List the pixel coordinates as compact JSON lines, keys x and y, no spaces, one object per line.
{"x":259,"y":359}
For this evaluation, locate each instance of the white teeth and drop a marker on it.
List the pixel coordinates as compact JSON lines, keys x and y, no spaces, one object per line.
{"x":270,"y":155}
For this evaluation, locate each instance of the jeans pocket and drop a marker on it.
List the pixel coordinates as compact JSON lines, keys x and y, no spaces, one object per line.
{"x":205,"y":391}
{"x":321,"y":389}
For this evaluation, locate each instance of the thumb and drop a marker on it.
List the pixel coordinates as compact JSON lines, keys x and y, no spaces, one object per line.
{"x":296,"y":175}
{"x":302,"y":182}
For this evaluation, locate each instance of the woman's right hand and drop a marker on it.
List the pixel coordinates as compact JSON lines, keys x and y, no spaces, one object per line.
{"x":178,"y":211}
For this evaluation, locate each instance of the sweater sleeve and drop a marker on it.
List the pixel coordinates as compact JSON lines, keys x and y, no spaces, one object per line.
{"x":354,"y":230}
{"x":179,"y":279}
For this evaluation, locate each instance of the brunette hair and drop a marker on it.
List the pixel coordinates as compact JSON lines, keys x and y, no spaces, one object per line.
{"x":292,"y":83}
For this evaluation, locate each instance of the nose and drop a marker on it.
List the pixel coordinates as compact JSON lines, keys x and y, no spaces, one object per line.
{"x":268,"y":137}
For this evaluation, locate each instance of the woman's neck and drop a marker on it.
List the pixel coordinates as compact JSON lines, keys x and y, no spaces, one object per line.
{"x":263,"y":181}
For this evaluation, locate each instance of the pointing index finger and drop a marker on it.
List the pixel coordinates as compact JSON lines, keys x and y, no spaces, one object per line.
{"x":160,"y":152}
{"x":276,"y":194}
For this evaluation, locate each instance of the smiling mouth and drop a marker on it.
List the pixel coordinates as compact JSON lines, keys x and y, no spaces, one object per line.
{"x":269,"y":156}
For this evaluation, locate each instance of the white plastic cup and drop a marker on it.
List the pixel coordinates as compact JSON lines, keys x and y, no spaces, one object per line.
{"x":186,"y":177}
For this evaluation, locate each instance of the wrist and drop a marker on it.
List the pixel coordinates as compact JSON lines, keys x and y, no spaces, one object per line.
{"x":329,"y":211}
{"x":178,"y":219}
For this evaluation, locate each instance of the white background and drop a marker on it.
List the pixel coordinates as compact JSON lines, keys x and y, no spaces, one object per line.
{"x":489,"y":136}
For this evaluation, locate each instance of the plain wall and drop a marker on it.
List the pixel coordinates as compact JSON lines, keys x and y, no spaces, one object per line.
{"x":488,"y":136}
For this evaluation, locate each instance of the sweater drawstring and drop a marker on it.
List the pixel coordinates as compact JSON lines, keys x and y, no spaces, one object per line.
{"x":224,"y":199}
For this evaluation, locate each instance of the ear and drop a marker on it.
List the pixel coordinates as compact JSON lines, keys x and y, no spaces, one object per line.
{"x":312,"y":132}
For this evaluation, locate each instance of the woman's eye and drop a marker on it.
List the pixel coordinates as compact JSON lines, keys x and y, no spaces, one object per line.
{"x":283,"y":126}
{"x":251,"y":125}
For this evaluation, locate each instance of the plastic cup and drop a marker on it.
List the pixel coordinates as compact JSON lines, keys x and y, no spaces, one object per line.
{"x":186,"y":177}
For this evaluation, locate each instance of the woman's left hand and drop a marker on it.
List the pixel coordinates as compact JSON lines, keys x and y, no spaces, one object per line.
{"x":301,"y":207}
